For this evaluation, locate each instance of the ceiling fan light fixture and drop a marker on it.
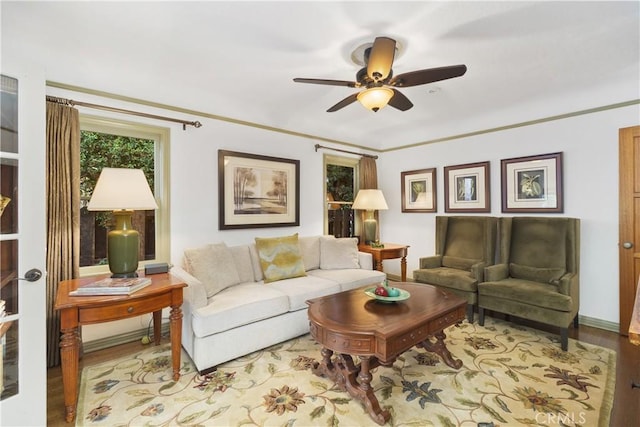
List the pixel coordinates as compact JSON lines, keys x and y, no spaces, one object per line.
{"x":375,"y":98}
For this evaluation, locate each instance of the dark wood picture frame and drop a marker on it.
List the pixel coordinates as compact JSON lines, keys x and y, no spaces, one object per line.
{"x":257,"y":191}
{"x":466,"y":188}
{"x":418,"y":190}
{"x":532,"y":184}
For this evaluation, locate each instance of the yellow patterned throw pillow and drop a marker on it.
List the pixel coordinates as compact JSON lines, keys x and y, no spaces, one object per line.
{"x":280,"y":257}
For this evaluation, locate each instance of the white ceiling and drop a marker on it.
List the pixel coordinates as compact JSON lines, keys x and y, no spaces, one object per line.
{"x":526,"y":60}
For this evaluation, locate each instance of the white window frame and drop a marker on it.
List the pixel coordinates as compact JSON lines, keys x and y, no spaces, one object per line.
{"x":160,"y":136}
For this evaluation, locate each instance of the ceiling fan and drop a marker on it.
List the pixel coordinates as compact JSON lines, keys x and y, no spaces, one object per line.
{"x":379,"y":82}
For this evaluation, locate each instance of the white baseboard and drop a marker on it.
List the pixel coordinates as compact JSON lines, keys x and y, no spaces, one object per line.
{"x":107,"y":342}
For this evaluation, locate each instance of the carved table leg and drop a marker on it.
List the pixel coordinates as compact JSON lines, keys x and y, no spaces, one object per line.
{"x":354,"y":379}
{"x":69,"y":351}
{"x":440,"y":348}
{"x":175,"y":327}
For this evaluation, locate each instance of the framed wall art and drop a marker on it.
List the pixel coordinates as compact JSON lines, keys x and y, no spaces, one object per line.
{"x":466,"y":188}
{"x":257,"y":191}
{"x":532,"y":184}
{"x":418,"y":190}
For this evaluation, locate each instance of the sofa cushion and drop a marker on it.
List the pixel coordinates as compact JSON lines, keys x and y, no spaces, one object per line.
{"x":351,"y":278}
{"x":536,"y":274}
{"x":237,"y":306}
{"x":280,"y":257}
{"x":213,"y":265}
{"x":300,"y":289}
{"x":242,"y":260}
{"x":310,"y":248}
{"x":338,"y":253}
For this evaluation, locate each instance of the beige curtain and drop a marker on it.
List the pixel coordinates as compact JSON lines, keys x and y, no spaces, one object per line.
{"x":63,"y":212}
{"x":368,"y":172}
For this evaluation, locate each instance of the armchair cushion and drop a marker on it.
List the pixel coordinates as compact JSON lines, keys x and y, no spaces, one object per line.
{"x":459,"y":263}
{"x":431,"y":261}
{"x":533,"y":293}
{"x":536,"y":274}
{"x":447,"y":277}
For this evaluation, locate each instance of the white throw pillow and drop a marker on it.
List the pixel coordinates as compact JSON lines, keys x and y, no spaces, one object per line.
{"x":338,"y":253}
{"x":310,"y":248}
{"x":213,"y":265}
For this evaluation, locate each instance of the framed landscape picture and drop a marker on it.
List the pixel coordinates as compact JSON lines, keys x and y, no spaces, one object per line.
{"x":532,"y":184}
{"x":466,"y":188}
{"x":257,"y":191}
{"x":418,"y":190}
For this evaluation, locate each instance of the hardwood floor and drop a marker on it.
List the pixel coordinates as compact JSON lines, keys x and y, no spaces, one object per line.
{"x":626,"y":406}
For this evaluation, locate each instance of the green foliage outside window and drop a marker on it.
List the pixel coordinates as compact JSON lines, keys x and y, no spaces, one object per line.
{"x":340,"y":183}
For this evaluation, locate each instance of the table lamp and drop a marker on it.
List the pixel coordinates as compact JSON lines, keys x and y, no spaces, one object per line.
{"x":122,"y":191}
{"x":370,"y":201}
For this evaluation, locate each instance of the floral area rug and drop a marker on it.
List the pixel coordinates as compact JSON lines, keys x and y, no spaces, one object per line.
{"x":511,"y":376}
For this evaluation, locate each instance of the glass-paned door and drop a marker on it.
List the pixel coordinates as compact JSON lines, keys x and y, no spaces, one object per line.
{"x":22,"y":253}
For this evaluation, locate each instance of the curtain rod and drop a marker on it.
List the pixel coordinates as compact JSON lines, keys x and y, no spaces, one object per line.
{"x":345,"y":151}
{"x":72,"y":103}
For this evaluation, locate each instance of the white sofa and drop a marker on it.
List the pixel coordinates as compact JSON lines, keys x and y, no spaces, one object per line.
{"x":244,"y":313}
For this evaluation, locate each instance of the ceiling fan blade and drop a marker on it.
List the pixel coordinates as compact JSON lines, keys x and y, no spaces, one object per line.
{"x":399,"y":101}
{"x":381,"y":58}
{"x":421,"y":77}
{"x":327,"y":82}
{"x":348,"y":100}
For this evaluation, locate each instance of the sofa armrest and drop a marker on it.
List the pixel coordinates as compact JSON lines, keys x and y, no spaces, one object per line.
{"x":477,"y":271}
{"x":493,"y":273}
{"x":434,"y":261}
{"x":194,"y":294}
{"x":366,"y":260}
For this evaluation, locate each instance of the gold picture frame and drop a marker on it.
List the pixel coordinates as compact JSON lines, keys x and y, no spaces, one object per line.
{"x":257,"y":191}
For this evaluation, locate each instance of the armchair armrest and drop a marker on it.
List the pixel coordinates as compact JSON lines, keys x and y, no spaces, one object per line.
{"x":477,"y":271}
{"x":366,"y":260}
{"x":568,"y":285}
{"x":434,"y":261}
{"x":493,"y":273}
{"x":194,"y":294}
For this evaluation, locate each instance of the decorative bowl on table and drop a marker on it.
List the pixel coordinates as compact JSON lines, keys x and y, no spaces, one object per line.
{"x":403,"y":295}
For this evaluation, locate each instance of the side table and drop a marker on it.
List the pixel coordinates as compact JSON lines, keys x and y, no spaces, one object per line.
{"x":164,"y":291}
{"x":389,"y":251}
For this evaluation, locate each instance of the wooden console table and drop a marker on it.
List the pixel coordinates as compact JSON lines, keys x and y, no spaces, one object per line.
{"x":389,"y":251}
{"x":164,"y":291}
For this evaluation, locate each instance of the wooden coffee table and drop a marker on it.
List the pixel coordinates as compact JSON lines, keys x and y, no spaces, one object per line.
{"x":350,"y":324}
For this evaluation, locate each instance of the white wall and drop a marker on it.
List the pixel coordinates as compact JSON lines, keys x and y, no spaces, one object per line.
{"x":590,"y":146}
{"x":589,"y":143}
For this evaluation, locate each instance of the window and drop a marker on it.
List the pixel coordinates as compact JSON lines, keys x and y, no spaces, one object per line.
{"x":340,"y":187}
{"x":115,"y":143}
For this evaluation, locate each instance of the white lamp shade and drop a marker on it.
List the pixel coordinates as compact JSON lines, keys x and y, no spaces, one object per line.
{"x":375,"y":98}
{"x":119,"y":188}
{"x":370,"y":200}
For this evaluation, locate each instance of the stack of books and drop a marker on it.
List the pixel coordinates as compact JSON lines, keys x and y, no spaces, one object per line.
{"x":111,"y":286}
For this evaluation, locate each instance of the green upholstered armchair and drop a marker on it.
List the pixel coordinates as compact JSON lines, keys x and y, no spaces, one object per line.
{"x":465,"y":245}
{"x":536,"y":276}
